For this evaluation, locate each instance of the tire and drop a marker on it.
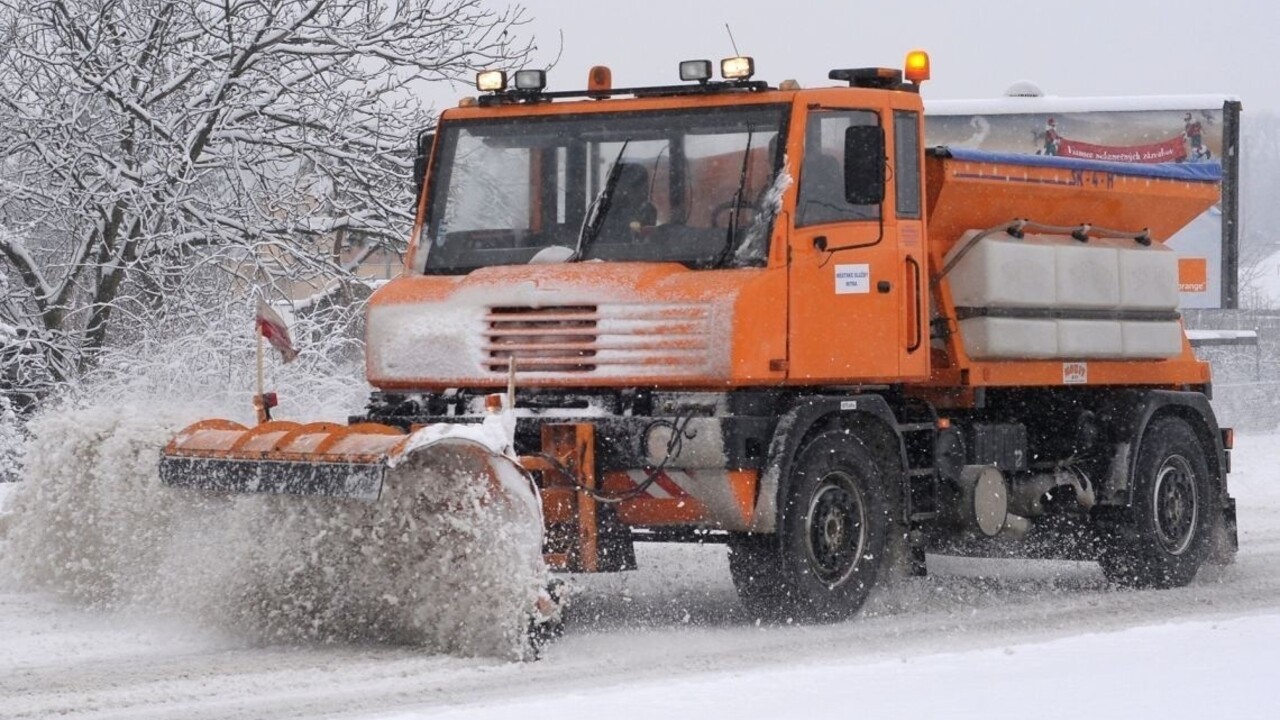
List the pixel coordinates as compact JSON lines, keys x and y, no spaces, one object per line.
{"x":755,"y":562}
{"x":1167,"y":535}
{"x":831,"y":542}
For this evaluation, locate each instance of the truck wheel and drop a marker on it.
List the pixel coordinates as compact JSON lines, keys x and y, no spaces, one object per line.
{"x":1167,"y":536}
{"x":831,"y":542}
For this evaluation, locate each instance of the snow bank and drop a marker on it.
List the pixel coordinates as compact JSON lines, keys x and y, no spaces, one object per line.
{"x":438,"y":563}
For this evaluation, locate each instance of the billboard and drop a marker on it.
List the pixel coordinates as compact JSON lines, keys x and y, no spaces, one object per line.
{"x":1157,"y":129}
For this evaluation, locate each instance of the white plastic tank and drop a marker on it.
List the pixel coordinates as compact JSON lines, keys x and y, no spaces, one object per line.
{"x":1059,"y":297}
{"x":1148,"y":278}
{"x":1086,"y":275}
{"x":1090,"y":339}
{"x":1003,"y":271}
{"x":1152,"y":339}
{"x":989,"y":338}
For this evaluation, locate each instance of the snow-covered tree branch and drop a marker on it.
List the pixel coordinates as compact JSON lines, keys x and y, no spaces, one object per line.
{"x":158,"y":155}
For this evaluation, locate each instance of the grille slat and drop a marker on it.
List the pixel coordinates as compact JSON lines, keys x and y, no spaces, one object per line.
{"x":639,"y":361}
{"x":592,"y":347}
{"x":614,"y":328}
{"x":508,"y":317}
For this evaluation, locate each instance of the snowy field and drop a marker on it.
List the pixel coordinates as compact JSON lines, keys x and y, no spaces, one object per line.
{"x":975,"y":639}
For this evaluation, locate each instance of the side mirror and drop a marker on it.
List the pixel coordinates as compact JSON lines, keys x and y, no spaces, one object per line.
{"x":420,"y":162}
{"x":864,"y":162}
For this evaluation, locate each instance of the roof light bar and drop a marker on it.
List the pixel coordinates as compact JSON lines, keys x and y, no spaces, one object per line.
{"x":868,"y":77}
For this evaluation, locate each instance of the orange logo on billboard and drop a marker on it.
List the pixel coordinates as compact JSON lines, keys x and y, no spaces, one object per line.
{"x":1193,"y":274}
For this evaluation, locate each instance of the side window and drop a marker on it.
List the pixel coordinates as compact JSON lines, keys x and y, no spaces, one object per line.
{"x":822,"y":175}
{"x":906,"y":163}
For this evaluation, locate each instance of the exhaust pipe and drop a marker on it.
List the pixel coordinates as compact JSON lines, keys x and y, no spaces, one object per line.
{"x":1029,"y":492}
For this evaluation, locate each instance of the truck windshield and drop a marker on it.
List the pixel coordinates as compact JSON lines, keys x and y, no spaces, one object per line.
{"x":691,"y":187}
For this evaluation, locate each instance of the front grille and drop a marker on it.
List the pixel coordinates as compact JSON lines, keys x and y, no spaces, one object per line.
{"x":618,"y":338}
{"x":548,"y":339}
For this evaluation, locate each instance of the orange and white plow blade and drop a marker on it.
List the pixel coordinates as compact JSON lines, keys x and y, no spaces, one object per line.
{"x":438,"y":538}
{"x":323,"y":459}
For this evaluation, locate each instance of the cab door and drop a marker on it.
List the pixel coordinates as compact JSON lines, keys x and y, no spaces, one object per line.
{"x":847,"y":294}
{"x":906,"y":183}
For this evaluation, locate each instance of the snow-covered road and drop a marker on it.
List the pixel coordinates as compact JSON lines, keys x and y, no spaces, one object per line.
{"x":976,"y":638}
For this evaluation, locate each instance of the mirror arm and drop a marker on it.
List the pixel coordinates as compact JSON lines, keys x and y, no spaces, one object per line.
{"x":820,"y":242}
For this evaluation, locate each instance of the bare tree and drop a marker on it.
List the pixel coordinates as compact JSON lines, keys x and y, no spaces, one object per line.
{"x":157,"y":154}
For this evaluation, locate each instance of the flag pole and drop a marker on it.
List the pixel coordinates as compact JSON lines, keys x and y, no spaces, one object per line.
{"x":258,"y":398}
{"x":270,"y":327}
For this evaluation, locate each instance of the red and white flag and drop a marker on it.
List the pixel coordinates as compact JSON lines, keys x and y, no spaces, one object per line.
{"x":274,"y":329}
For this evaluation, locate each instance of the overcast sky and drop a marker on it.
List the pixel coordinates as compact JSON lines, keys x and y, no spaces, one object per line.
{"x":978,"y":48}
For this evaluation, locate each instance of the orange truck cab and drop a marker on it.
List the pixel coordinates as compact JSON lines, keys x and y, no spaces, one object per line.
{"x":770,"y":317}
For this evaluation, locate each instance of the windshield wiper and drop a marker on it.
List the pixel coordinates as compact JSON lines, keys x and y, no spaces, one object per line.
{"x":594,"y":220}
{"x":723,"y":255}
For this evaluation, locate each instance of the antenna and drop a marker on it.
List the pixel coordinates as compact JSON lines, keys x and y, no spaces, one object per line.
{"x":731,"y":40}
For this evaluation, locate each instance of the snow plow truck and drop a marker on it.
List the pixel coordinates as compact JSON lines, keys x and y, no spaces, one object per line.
{"x":768,"y":316}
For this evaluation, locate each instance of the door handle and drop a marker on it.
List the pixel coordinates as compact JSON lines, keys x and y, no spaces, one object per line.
{"x":918,"y":306}
{"x":884,"y":286}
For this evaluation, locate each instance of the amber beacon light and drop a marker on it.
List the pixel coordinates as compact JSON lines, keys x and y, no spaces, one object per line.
{"x":599,"y":80}
{"x":917,"y":66}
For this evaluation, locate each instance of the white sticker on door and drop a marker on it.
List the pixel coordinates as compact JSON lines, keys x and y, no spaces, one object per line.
{"x":853,"y":279}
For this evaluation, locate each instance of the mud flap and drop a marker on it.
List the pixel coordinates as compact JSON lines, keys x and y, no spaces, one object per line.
{"x":1225,"y":541}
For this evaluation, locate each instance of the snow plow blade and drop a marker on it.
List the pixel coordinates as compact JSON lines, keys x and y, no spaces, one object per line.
{"x":315,"y":459}
{"x":431,"y":538}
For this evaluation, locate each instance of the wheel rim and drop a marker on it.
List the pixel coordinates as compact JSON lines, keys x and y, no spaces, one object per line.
{"x":1177,"y":507}
{"x":835,"y":528}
